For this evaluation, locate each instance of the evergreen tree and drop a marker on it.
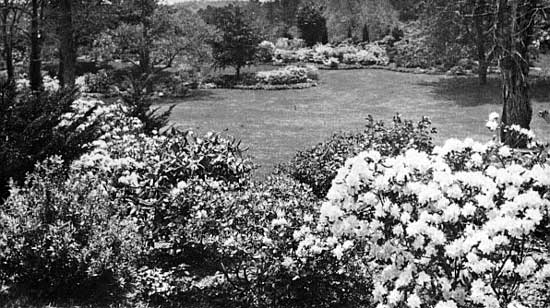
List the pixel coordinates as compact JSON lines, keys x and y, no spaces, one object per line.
{"x":239,"y":39}
{"x":312,"y":24}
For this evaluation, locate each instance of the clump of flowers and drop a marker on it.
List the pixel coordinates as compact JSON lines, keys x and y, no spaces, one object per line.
{"x":285,"y":76}
{"x":266,"y":51}
{"x":50,"y":84}
{"x":112,"y":117}
{"x":452,"y":228}
{"x":515,"y":135}
{"x":330,"y":56}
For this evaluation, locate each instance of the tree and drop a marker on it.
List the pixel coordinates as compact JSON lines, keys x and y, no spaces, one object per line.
{"x":460,"y":29}
{"x":347,"y":18}
{"x":497,"y":29}
{"x":312,"y":24}
{"x":36,"y":38}
{"x":515,"y":24}
{"x":171,"y":35}
{"x":11,"y":14}
{"x":239,"y":39}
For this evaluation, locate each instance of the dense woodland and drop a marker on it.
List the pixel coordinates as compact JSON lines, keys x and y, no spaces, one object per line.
{"x":105,"y":203}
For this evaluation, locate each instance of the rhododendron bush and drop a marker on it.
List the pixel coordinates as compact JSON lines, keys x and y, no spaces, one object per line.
{"x":452,"y":228}
{"x":369,"y":54}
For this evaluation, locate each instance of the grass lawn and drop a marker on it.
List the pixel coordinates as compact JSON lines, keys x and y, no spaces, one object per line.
{"x":275,"y":124}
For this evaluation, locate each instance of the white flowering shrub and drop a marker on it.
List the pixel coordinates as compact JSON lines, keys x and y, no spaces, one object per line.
{"x":515,"y":135}
{"x":318,"y":165}
{"x":285,"y":76}
{"x":50,"y":84}
{"x":265,"y":51}
{"x":452,"y":228}
{"x":111,"y":119}
{"x":331,"y":62}
{"x":371,"y":54}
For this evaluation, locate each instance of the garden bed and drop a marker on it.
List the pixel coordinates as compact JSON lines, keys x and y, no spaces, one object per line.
{"x":296,"y":86}
{"x":290,"y":77}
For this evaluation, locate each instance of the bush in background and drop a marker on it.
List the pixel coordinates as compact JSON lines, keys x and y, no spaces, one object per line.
{"x":265,"y":52}
{"x":285,"y":76}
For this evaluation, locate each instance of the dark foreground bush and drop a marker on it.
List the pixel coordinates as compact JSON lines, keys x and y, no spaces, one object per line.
{"x":30,"y":132}
{"x":115,"y":217}
{"x":62,"y":236}
{"x":318,"y":166}
{"x":257,"y":232}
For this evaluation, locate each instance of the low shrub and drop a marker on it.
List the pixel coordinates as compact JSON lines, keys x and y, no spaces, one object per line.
{"x":147,"y":171}
{"x":318,"y":166}
{"x":265,"y":52}
{"x":452,"y":228}
{"x":140,"y":105}
{"x":285,"y":76}
{"x":286,"y":43}
{"x":62,"y":236}
{"x":99,"y":82}
{"x":365,"y":55}
{"x":257,"y":232}
{"x":30,"y":131}
{"x":412,"y":54}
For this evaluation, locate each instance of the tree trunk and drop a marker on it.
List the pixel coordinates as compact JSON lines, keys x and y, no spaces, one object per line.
{"x":480,"y":41}
{"x":517,"y":108}
{"x":8,"y":45}
{"x":145,"y":52}
{"x":35,"y":65}
{"x":67,"y":46}
{"x":514,"y":64}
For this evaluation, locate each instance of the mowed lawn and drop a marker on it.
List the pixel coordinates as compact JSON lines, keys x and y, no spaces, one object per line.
{"x":276,"y":124}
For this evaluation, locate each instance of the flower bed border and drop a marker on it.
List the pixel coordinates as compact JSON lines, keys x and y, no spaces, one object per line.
{"x":399,"y":69}
{"x":278,"y":87}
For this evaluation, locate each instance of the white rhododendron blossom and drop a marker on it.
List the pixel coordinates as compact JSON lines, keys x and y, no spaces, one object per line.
{"x":112,"y":116}
{"x":450,"y":229}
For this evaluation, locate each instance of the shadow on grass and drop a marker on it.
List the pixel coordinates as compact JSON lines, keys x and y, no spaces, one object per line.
{"x":467,"y":92}
{"x":194,"y":95}
{"x":199,"y":95}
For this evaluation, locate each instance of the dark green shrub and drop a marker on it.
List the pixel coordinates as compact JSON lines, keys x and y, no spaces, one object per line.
{"x":30,"y":132}
{"x":257,"y":232}
{"x":149,"y":171}
{"x":317,"y":166}
{"x":141,"y":107}
{"x":99,"y":82}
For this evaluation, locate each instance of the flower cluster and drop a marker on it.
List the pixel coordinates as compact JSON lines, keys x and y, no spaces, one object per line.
{"x":370,"y":54}
{"x":515,"y":135}
{"x":50,"y":84}
{"x":452,"y":228}
{"x":113,"y":117}
{"x":288,"y":75}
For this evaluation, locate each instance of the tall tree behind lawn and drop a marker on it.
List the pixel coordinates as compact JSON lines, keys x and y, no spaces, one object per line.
{"x":460,"y":29}
{"x":312,"y":24}
{"x":239,"y":39}
{"x":76,"y":23}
